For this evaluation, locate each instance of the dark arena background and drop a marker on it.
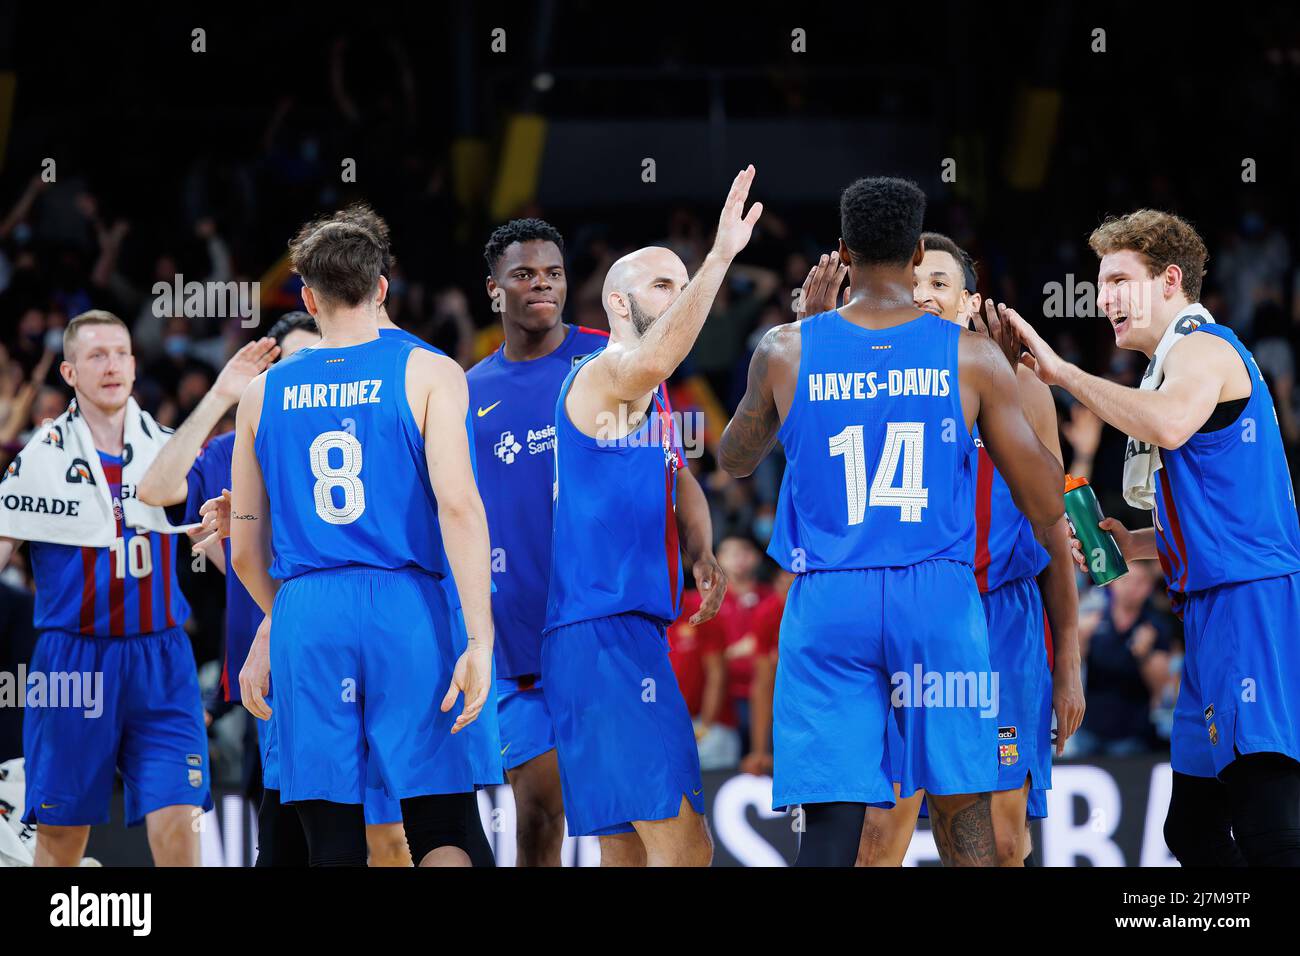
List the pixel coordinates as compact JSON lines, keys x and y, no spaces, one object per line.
{"x":142,"y":148}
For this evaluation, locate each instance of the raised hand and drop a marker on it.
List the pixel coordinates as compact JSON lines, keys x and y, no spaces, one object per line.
{"x":244,"y":366}
{"x":820,"y":289}
{"x":995,"y":325}
{"x":1038,"y":355}
{"x":734,"y":227}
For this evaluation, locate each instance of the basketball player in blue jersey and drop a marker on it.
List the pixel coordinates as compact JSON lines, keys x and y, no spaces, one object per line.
{"x":1037,"y":672}
{"x":629,"y":766}
{"x":481,"y":737}
{"x":360,"y":454}
{"x":187,"y":470}
{"x":512,"y":394}
{"x":1226,"y":534}
{"x":118,"y":612}
{"x":874,"y":404}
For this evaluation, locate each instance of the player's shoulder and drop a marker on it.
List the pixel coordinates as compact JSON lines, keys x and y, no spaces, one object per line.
{"x":432,"y":361}
{"x":781,"y":343}
{"x":976,"y":347}
{"x":588,"y":338}
{"x":485,"y":366}
{"x":1214,"y":351}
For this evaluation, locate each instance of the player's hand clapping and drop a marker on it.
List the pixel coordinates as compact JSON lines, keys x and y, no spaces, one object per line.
{"x":215,"y":515}
{"x":734,"y":227}
{"x":471,"y":677}
{"x":1037,"y":354}
{"x":244,"y":366}
{"x":821,"y":288}
{"x":995,"y":324}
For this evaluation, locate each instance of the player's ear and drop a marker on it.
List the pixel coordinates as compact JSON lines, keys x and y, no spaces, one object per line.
{"x":309,"y":301}
{"x":846,"y":257}
{"x":919,"y":253}
{"x":69,"y":373}
{"x":616,"y":304}
{"x":1173,"y":280}
{"x":383,"y":292}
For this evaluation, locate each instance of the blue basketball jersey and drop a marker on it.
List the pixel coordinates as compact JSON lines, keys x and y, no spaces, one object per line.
{"x":343,"y":461}
{"x":512,"y":405}
{"x":125,"y":589}
{"x":878,"y":456}
{"x":1005,"y":547}
{"x":1225,"y":508}
{"x":401,"y":335}
{"x":614,"y":548}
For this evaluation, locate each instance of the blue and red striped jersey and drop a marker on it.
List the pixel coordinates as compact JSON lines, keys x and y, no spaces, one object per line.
{"x":1005,"y":546}
{"x":127,"y":588}
{"x":1225,"y":509}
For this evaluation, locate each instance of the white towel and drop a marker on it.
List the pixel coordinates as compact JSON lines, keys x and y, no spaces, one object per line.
{"x":55,"y":491}
{"x":1142,"y":460}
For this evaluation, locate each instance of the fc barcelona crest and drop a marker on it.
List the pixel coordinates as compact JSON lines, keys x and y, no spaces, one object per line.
{"x":1008,"y":754}
{"x":1214,"y":734}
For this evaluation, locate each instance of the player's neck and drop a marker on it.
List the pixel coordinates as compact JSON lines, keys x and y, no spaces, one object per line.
{"x":346,"y":328}
{"x":107,"y":426}
{"x":525,"y":345}
{"x":880,"y":298}
{"x":1156,"y":333}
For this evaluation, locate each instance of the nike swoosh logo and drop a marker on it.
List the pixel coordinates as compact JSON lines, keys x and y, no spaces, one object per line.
{"x":505,"y":748}
{"x":48,"y":806}
{"x":696,"y":793}
{"x":483,"y":411}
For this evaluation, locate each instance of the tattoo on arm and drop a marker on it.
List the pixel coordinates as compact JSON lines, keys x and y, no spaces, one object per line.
{"x":238,"y":517}
{"x":751,"y":433}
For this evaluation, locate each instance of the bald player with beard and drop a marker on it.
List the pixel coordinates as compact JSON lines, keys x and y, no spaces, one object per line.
{"x":629,"y":768}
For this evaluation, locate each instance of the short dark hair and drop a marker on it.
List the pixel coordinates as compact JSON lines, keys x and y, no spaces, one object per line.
{"x":292,"y":322}
{"x":940,"y":242}
{"x":519,"y":230}
{"x":339,"y":258}
{"x":880,"y":219}
{"x":365,"y":217}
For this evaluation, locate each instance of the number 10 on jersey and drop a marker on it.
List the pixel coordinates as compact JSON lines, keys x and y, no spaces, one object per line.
{"x":905,"y":442}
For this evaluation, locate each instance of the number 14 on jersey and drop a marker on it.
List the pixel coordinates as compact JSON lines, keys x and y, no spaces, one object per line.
{"x":905,"y":442}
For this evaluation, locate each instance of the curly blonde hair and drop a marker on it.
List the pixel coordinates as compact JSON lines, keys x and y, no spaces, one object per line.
{"x":1161,"y":239}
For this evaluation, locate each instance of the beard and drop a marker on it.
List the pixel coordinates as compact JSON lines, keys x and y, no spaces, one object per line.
{"x":641,"y":320}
